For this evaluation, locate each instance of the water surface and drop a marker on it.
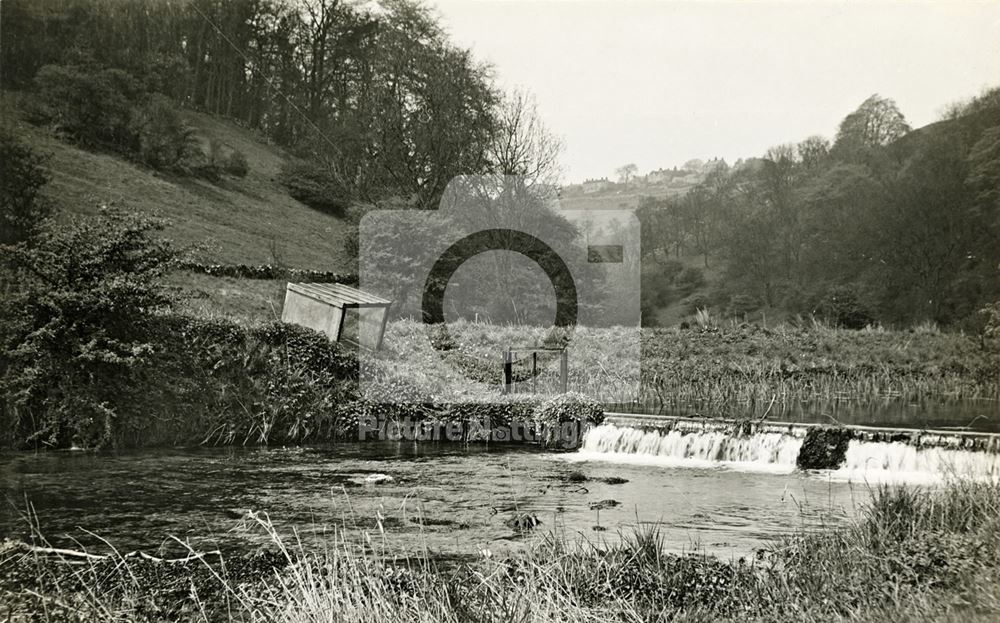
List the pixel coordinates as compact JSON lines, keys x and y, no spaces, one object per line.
{"x":445,"y":499}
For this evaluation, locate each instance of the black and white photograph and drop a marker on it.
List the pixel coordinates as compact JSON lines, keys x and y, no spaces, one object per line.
{"x":495,"y":311}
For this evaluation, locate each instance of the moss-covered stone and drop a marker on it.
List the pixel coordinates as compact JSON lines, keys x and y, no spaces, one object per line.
{"x":824,"y":448}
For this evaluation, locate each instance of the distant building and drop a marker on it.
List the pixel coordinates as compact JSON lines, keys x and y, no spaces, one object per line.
{"x":593,"y":186}
{"x":659,"y":176}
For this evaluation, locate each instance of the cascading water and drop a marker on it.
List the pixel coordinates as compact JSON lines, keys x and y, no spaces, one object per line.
{"x":865,"y":461}
{"x":875,"y":461}
{"x":760,"y":451}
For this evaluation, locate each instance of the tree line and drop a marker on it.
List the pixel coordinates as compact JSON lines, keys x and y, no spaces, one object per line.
{"x":374,"y":100}
{"x":884,"y":224}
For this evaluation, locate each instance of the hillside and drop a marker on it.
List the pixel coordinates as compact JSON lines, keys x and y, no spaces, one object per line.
{"x":250,"y":220}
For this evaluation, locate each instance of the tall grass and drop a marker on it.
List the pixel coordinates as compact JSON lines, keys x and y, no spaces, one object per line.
{"x":713,"y":366}
{"x":910,"y":555}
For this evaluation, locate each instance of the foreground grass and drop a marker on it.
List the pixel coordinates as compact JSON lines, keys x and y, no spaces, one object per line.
{"x":910,"y":555}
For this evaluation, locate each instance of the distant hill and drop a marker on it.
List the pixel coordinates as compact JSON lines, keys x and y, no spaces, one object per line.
{"x":608,"y":195}
{"x":248,"y":220}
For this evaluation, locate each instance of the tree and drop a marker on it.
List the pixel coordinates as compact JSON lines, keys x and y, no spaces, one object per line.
{"x":812,"y":151}
{"x":875,"y":123}
{"x":984,"y":173}
{"x":521,"y":144}
{"x":626,"y":172}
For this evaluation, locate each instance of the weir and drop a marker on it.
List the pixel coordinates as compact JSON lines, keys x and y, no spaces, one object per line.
{"x":856,"y":452}
{"x":968,"y":440}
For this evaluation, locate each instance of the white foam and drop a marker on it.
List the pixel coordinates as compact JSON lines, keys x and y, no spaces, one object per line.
{"x":881,"y":462}
{"x":865,"y":461}
{"x":770,"y":452}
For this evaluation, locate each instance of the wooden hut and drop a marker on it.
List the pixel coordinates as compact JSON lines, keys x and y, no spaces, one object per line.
{"x":323,"y":307}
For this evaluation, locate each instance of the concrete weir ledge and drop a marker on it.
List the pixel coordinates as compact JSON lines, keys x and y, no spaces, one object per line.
{"x":922,"y":438}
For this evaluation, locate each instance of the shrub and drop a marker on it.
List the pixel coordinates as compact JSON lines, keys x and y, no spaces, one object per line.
{"x":743,"y":304}
{"x":563,"y":417}
{"x":166,"y":142}
{"x":314,"y":185}
{"x":689,"y":280}
{"x":271,"y":384}
{"x":93,"y":106}
{"x":208,"y":160}
{"x":78,"y":329}
{"x":990,"y":321}
{"x":269,"y":271}
{"x":842,"y":305}
{"x":236,"y":164}
{"x":692,"y":304}
{"x":21,"y":176}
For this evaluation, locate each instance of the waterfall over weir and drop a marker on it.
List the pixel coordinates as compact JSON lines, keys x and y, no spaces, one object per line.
{"x":869,"y":457}
{"x":765,"y":451}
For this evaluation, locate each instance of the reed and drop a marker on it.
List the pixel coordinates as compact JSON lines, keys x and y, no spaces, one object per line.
{"x":718,"y":366}
{"x":911,"y":554}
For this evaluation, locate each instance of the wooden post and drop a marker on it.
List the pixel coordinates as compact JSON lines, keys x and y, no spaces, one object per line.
{"x":508,"y":372}
{"x":564,"y":370}
{"x":381,"y":331}
{"x":341,"y":312}
{"x":534,"y":372}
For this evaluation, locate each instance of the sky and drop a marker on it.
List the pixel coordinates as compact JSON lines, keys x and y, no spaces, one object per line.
{"x":658,"y":83}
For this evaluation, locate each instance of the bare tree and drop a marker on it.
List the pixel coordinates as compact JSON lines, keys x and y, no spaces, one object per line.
{"x":521,"y":144}
{"x":626,"y":172}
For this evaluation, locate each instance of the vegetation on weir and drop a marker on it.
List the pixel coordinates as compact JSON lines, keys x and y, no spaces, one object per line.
{"x":910,"y":555}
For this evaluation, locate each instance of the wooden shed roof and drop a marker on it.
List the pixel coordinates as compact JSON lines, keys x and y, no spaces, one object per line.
{"x":338,"y":295}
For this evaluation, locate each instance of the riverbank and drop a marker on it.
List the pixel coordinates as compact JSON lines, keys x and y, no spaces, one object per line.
{"x":218,"y":382}
{"x":97,"y":350}
{"x":910,"y":555}
{"x":739,"y":369}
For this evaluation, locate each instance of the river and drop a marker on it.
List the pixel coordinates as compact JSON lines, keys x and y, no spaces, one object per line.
{"x":445,"y":499}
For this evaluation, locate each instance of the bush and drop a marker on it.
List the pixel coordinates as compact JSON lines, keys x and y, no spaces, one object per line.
{"x":166,"y":142}
{"x":563,"y":418}
{"x":271,"y":384}
{"x":269,"y":271}
{"x":842,"y":306}
{"x":570,"y":407}
{"x":314,"y":185}
{"x":743,"y":304}
{"x":93,"y":106}
{"x":21,"y":176}
{"x":215,"y":158}
{"x":694,"y":303}
{"x":236,"y":164}
{"x":78,"y":329}
{"x":990,"y":321}
{"x":689,"y":280}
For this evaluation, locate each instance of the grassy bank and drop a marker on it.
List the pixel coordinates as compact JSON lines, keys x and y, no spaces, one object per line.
{"x":710,"y":366}
{"x":742,"y":365}
{"x":910,"y":555}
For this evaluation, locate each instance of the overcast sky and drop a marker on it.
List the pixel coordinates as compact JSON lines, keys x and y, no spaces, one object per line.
{"x":658,"y":83}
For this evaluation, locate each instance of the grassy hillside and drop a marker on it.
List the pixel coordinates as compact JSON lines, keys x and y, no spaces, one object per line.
{"x":246,"y":301}
{"x":618,"y":199}
{"x":250,"y":220}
